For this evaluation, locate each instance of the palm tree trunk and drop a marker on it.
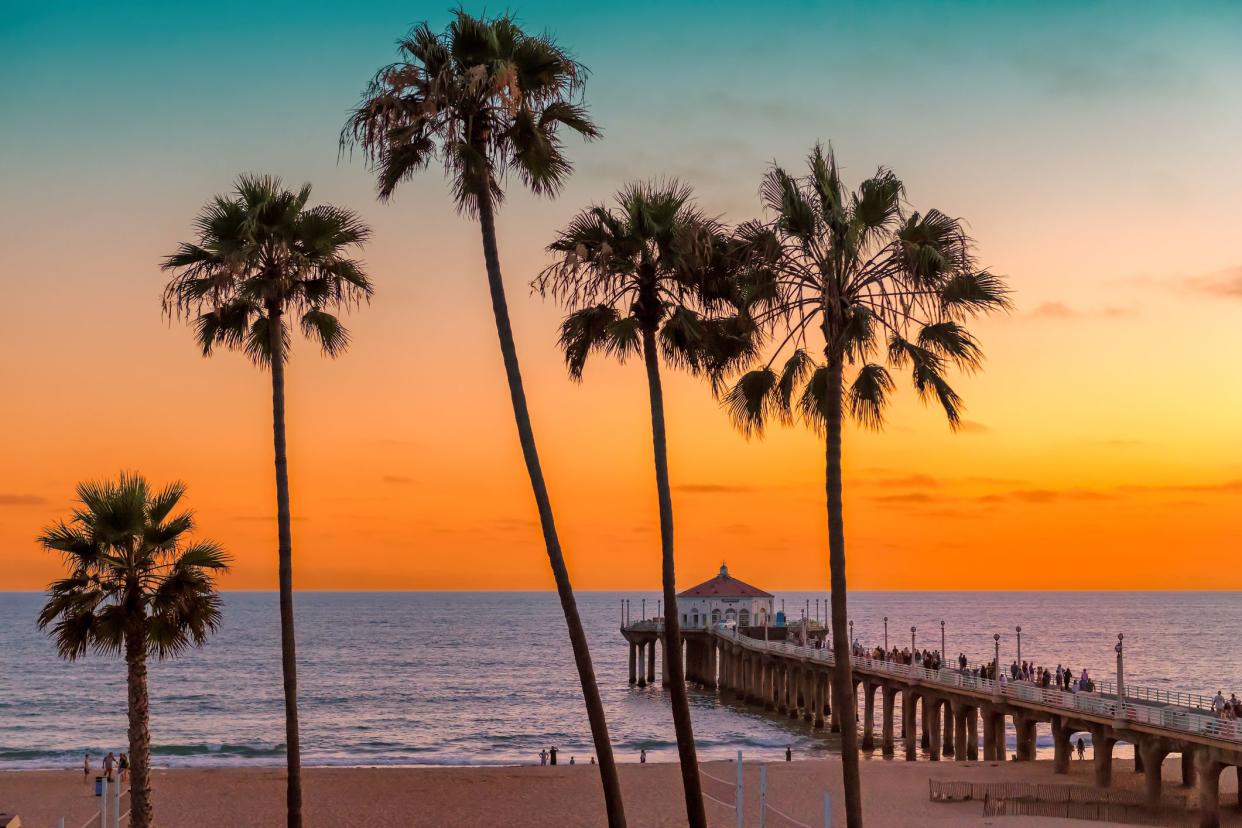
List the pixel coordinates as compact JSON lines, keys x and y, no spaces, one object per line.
{"x":695,"y":815}
{"x":288,"y":645}
{"x":141,"y":814}
{"x":526,"y":436}
{"x":843,"y":683}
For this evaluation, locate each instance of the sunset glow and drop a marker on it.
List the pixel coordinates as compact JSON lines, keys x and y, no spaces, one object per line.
{"x":1094,"y":157}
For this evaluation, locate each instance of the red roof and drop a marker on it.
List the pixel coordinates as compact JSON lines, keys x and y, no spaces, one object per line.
{"x":724,"y":585}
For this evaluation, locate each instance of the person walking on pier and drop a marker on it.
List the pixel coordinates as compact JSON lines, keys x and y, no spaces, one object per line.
{"x":1218,"y":704}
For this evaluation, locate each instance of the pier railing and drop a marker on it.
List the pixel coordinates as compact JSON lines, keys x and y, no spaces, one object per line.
{"x":1161,"y":714}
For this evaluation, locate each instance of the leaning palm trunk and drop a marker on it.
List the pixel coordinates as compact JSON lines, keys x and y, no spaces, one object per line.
{"x":288,"y":645}
{"x":695,"y":815}
{"x":141,"y":812}
{"x":842,"y":683}
{"x":526,"y":436}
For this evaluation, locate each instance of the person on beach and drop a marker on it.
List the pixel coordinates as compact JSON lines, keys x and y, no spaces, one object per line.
{"x":108,"y":762}
{"x":788,"y":754}
{"x":543,"y":757}
{"x":1082,"y":749}
{"x":642,"y":756}
{"x":571,"y":760}
{"x":123,"y":765}
{"x":552,"y":755}
{"x":86,"y":765}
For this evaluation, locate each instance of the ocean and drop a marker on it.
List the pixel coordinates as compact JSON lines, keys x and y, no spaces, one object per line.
{"x":487,"y":678}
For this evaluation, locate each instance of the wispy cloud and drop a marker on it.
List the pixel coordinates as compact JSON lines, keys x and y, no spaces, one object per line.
{"x":907,"y":497}
{"x":1060,"y":310}
{"x":972,"y":427}
{"x":9,"y":499}
{"x":1224,"y":487}
{"x":713,"y":488}
{"x":1227,"y":283}
{"x":912,"y":481}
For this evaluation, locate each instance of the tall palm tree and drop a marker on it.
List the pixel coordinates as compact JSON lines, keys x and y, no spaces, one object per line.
{"x":137,"y":586}
{"x":262,"y":261}
{"x":639,"y":279}
{"x":485,"y":99}
{"x":860,"y":279}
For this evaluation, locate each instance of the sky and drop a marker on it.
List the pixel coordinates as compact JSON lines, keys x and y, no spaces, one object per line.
{"x":1093,"y":149}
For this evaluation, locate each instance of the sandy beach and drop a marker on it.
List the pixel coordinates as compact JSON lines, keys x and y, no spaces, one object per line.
{"x":896,"y":794}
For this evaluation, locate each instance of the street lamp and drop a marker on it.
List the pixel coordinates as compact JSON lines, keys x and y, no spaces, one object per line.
{"x":627,"y":612}
{"x":886,"y":633}
{"x":912,"y":647}
{"x":943,"y":652}
{"x":622,"y":613}
{"x":644,"y":609}
{"x":816,"y":610}
{"x":658,"y":608}
{"x":1121,"y":677}
{"x":851,"y":633}
{"x":1019,"y":629}
{"x":996,"y":668}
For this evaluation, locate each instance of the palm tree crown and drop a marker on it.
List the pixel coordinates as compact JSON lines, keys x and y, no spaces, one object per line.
{"x":484,"y":98}
{"x":655,"y":262}
{"x":262,"y":253}
{"x":872,"y":278}
{"x":129,"y":556}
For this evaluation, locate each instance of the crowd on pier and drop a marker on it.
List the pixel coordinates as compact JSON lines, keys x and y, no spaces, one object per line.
{"x":1062,"y":678}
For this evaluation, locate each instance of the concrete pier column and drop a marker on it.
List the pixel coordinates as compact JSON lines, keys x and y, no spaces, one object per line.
{"x":651,"y":654}
{"x":633,"y":664}
{"x":1102,"y":756}
{"x":712,"y":653}
{"x":1153,"y":752}
{"x":642,"y":664}
{"x":972,"y":735}
{"x":808,"y":695}
{"x":791,"y":690}
{"x":1061,"y":745}
{"x":932,"y":708}
{"x":989,"y":736}
{"x":1188,"y":767}
{"x":924,"y":735}
{"x":950,"y":722}
{"x":1024,"y":751}
{"x":908,"y":726}
{"x":663,"y":662}
{"x":888,"y":696}
{"x":1138,"y":759}
{"x":834,"y":715}
{"x":959,"y":732}
{"x":817,"y":700}
{"x":999,"y":724}
{"x":1209,"y":789}
{"x":769,"y":684}
{"x":868,"y":739}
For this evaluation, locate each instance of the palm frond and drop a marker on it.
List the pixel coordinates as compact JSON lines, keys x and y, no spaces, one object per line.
{"x":753,"y":401}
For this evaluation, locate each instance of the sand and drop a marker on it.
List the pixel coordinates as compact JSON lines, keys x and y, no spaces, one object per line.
{"x":895,"y":794}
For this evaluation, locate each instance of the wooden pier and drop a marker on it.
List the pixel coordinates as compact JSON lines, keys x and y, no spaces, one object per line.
{"x":944,"y":710}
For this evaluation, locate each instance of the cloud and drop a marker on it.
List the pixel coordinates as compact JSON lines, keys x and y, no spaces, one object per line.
{"x":713,"y":488}
{"x":1041,"y":496}
{"x":1226,"y":283}
{"x":908,"y":497}
{"x":972,"y":427}
{"x":1060,"y":310}
{"x":1227,"y":486}
{"x":8,"y":499}
{"x":913,"y":481}
{"x":397,"y":479}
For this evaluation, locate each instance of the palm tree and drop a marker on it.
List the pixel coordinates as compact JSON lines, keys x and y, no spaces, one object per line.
{"x":137,"y":586}
{"x":485,"y":99}
{"x":262,"y":258}
{"x":869,"y":278}
{"x":639,"y":279}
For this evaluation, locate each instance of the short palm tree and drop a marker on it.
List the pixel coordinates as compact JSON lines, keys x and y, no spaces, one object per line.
{"x":487,"y":99}
{"x":859,"y":279}
{"x":264,"y":261}
{"x":641,"y":279}
{"x":138,"y":587}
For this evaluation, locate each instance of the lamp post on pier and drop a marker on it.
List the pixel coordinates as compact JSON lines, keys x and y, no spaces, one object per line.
{"x":644,"y":609}
{"x":886,"y":633}
{"x":1121,"y":678}
{"x":627,"y":612}
{"x":622,"y":613}
{"x":912,"y":647}
{"x":816,"y":610}
{"x":996,"y":669}
{"x":851,"y":633}
{"x":943,"y":652}
{"x":1019,"y":629}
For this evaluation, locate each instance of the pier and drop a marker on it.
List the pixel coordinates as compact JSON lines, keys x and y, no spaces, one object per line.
{"x":949,"y":712}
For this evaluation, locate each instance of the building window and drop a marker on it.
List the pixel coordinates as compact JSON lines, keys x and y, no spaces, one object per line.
{"x":715,"y":616}
{"x":744,"y":618}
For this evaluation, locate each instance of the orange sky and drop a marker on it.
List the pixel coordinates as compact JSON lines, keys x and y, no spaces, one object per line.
{"x":1102,"y":449}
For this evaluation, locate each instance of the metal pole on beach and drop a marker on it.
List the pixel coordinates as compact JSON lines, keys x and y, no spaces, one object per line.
{"x":827,"y":810}
{"x":763,"y":796}
{"x":737,"y":796}
{"x":103,"y":805}
{"x":116,"y":804}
